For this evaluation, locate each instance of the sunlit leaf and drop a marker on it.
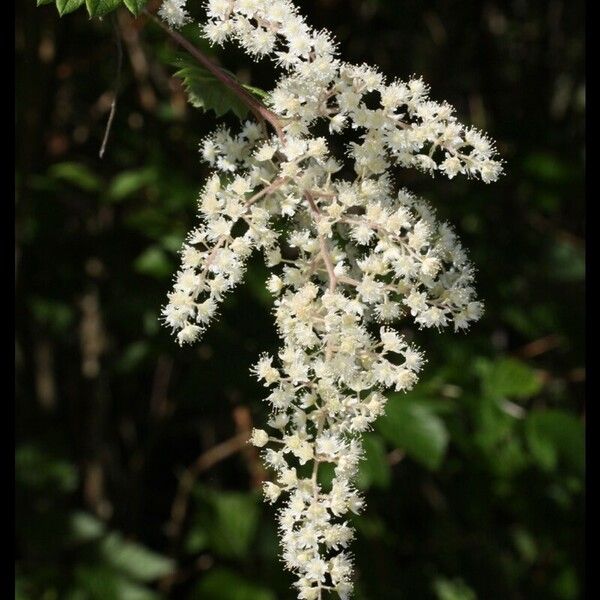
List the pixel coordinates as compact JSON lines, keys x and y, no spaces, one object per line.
{"x":509,"y":377}
{"x":133,"y":559}
{"x":153,"y":261}
{"x":135,"y":6}
{"x":415,"y":428}
{"x":67,"y":6}
{"x":205,"y":91}
{"x":99,"y":8}
{"x":127,"y":183}
{"x":84,"y":527}
{"x":76,"y":174}
{"x":453,"y":589}
{"x":223,"y":584}
{"x":227,"y":521}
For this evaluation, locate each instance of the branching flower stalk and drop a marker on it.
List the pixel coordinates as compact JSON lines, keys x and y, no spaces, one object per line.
{"x":351,"y":256}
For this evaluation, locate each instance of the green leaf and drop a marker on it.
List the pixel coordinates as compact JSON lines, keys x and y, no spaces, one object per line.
{"x":129,"y":182}
{"x":42,"y":2}
{"x":65,"y":7}
{"x":37,"y":469}
{"x":237,"y":519}
{"x":99,"y":8}
{"x":525,"y":545}
{"x":21,"y":582}
{"x":258,"y":92}
{"x":98,"y":581}
{"x":206,"y":92}
{"x":102,"y":582}
{"x":546,"y":167}
{"x":197,"y":539}
{"x":84,"y":527}
{"x":372,"y":527}
{"x":566,"y":262}
{"x":133,"y":356}
{"x":555,"y":435}
{"x":135,"y":6}
{"x":509,"y":377}
{"x":134,"y":560}
{"x":76,"y":174}
{"x":455,"y":589}
{"x":228,"y":520}
{"x":223,"y":584}
{"x":54,"y":315}
{"x":415,"y":428}
{"x":153,"y":261}
{"x":566,"y":584}
{"x":498,"y":437}
{"x":374,"y":470}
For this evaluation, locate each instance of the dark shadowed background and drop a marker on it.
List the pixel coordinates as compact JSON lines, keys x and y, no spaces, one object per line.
{"x":132,"y":478}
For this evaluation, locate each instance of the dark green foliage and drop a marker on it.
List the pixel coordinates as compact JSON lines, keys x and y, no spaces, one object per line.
{"x":474,"y":481}
{"x":414,"y":427}
{"x":95,"y":8}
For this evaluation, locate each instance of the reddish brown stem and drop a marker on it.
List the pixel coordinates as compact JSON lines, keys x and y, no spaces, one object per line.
{"x":258,"y":109}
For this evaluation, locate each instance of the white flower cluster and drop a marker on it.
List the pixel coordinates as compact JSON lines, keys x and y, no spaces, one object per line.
{"x":350,"y":258}
{"x":173,"y":12}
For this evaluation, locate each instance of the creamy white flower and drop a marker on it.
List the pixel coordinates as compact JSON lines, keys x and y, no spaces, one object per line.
{"x":173,"y":12}
{"x":259,"y":438}
{"x":349,"y":255}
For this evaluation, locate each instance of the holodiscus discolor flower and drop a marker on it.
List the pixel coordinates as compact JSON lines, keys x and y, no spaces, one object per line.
{"x":351,"y":256}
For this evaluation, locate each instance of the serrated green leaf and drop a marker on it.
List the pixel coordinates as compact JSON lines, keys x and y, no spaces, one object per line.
{"x":65,"y":7}
{"x":99,"y":8}
{"x":42,"y":2}
{"x":134,"y":560}
{"x":415,"y":428}
{"x":206,"y":92}
{"x":135,"y":6}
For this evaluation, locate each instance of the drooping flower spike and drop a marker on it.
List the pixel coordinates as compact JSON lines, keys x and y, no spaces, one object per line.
{"x":356,"y":256}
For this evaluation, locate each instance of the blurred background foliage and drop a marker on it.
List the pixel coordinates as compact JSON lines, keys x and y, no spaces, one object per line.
{"x":133,"y":481}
